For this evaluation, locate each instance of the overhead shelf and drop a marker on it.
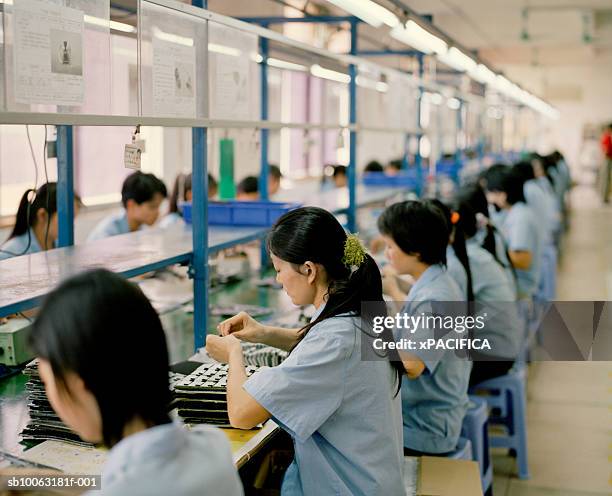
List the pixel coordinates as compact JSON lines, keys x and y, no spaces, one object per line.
{"x":25,"y":280}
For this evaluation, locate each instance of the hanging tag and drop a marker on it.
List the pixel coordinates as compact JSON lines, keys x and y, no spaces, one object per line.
{"x":133,"y":152}
{"x":131,"y":157}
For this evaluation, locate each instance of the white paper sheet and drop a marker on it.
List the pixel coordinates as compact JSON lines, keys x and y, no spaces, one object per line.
{"x":48,"y":61}
{"x":174,"y":79}
{"x":69,"y":458}
{"x":231,"y":50}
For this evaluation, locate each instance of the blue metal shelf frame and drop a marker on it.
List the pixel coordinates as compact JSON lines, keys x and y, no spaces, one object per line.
{"x":198,"y":258}
{"x":265,"y":165}
{"x":65,"y":182}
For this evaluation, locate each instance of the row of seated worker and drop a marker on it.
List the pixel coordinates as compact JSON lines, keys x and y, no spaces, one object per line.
{"x":142,"y":195}
{"x":352,"y":419}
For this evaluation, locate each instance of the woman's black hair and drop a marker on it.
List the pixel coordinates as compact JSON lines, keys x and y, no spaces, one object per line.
{"x":141,"y":187}
{"x":457,"y":234}
{"x":249,"y":184}
{"x":374,"y":166}
{"x":418,"y":228}
{"x":182,"y":184}
{"x":312,"y":234}
{"x":470,"y":201}
{"x":473,"y":200}
{"x":340,"y":170}
{"x":45,"y":197}
{"x":103,"y":328}
{"x":524,"y":170}
{"x":508,"y":181}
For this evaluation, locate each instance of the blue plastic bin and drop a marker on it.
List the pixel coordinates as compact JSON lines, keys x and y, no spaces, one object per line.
{"x":402,"y":179}
{"x":242,"y":213}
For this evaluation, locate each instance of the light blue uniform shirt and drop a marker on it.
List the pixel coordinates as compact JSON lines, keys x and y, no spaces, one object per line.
{"x":541,"y":204}
{"x":20,"y":245}
{"x":521,"y":230}
{"x":434,"y":403}
{"x":490,"y":284}
{"x":553,"y":205}
{"x":456,"y":270}
{"x":341,"y":411}
{"x":168,"y":459}
{"x":112,"y":225}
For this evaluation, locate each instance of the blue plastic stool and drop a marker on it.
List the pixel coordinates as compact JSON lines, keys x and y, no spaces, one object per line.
{"x":508,"y":394}
{"x":475,"y":428}
{"x":463,"y":451}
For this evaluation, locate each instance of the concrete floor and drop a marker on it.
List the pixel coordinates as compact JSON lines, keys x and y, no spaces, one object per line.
{"x":569,"y":411}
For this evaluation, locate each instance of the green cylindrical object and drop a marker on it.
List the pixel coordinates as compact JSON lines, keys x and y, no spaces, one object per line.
{"x":227,"y":187}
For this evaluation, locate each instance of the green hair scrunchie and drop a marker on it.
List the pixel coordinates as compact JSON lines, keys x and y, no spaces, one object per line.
{"x":354,"y":252}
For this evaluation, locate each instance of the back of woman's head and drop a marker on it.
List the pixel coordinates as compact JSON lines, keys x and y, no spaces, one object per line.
{"x":182,"y":186}
{"x":31,"y":202}
{"x":457,"y":234}
{"x":474,"y":196}
{"x":102,"y":328}
{"x":524,"y":170}
{"x":418,"y":228}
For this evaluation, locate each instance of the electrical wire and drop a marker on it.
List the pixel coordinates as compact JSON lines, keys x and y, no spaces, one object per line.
{"x":47,"y":199}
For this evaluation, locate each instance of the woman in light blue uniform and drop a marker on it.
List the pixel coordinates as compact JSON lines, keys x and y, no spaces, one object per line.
{"x":123,"y":403}
{"x":434,"y":398}
{"x":520,"y":229}
{"x":343,"y":412}
{"x":36,"y":227}
{"x":141,"y":197}
{"x":487,"y":234}
{"x":457,"y":263}
{"x":497,"y":298}
{"x":540,"y":196}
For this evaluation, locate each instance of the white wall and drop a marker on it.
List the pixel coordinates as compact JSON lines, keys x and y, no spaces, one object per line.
{"x":594,"y":107}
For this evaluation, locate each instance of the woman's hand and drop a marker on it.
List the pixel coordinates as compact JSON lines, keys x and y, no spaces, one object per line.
{"x":243,"y":327}
{"x":390,"y":283}
{"x":221,"y":348}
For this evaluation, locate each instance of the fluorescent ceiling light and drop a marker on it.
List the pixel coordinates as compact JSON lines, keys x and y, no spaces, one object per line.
{"x":322,"y":72}
{"x":435,"y":98}
{"x":105,"y":23}
{"x":374,"y":14}
{"x":283,"y":64}
{"x":414,"y":35}
{"x":172,"y":38}
{"x":255,"y":57}
{"x":483,"y":74}
{"x":458,"y":60}
{"x":372,"y":84}
{"x":453,"y":103}
{"x":224,"y":50}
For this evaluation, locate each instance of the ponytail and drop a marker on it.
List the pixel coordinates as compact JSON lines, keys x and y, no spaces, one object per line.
{"x":45,"y":198}
{"x":461,"y":253}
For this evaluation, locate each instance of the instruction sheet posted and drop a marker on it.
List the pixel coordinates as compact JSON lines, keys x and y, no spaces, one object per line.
{"x":48,"y":53}
{"x":231,"y":89}
{"x":174,"y":79}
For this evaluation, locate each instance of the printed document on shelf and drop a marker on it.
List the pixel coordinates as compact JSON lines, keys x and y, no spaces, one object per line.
{"x":48,"y":53}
